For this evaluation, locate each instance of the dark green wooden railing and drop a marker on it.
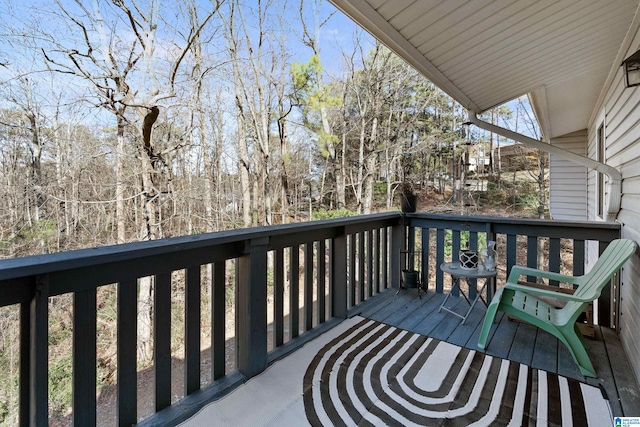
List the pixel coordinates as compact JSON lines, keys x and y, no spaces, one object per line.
{"x":355,"y":251}
{"x":344,"y":262}
{"x":563,"y":245}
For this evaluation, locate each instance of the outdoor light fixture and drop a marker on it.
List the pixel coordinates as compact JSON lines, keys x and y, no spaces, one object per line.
{"x":632,"y":70}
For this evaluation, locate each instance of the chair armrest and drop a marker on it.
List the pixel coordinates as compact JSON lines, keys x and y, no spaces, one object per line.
{"x":517,"y":271}
{"x":545,"y":292}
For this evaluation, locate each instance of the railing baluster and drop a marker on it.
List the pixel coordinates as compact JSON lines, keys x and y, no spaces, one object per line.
{"x":473,"y":245}
{"x":455,"y":251}
{"x":512,"y":248}
{"x":162,"y":340}
{"x":308,"y":286}
{"x":218,"y":325}
{"x":532,"y":255}
{"x":338,"y":270}
{"x":490,"y":235}
{"x":554,"y":259}
{"x":439,"y":260}
{"x":425,"y":258}
{"x":192,"y":330}
{"x":294,"y":291}
{"x":25,"y":362}
{"x":39,"y":353}
{"x":278,"y":297}
{"x":369,"y":258}
{"x":322,"y":283}
{"x":397,"y":244}
{"x":411,"y":246}
{"x":385,"y":258}
{"x":352,"y":270}
{"x":84,"y":357}
{"x":604,"y":302}
{"x":361,"y":263}
{"x":127,"y":352}
{"x":578,"y":257}
{"x":376,"y":260}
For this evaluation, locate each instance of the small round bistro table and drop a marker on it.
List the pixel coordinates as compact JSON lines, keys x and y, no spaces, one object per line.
{"x":457,"y":273}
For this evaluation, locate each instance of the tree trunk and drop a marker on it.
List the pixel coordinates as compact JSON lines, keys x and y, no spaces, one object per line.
{"x":120,"y":213}
{"x":340,"y":173}
{"x":370,"y":168}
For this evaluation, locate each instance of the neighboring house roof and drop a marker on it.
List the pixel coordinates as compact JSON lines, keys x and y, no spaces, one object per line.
{"x":515,"y":150}
{"x":485,"y":53}
{"x":516,"y":157}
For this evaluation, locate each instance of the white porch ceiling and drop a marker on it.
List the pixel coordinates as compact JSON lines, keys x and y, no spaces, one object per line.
{"x":484,"y":53}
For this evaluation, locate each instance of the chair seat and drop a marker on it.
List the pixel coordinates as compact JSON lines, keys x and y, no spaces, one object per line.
{"x":536,"y":311}
{"x":533,"y":307}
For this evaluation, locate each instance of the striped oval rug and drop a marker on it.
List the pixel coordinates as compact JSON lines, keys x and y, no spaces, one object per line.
{"x":375,"y":374}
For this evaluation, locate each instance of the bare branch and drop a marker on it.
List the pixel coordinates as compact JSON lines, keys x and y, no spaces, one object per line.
{"x":193,"y":35}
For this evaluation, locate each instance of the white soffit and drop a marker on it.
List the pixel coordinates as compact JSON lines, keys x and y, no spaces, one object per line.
{"x":484,"y":53}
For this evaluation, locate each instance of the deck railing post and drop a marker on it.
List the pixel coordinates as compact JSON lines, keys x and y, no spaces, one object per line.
{"x":252,"y":308}
{"x":397,"y":244}
{"x":339,"y":276}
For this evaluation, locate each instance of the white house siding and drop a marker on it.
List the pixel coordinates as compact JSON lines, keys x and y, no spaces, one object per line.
{"x":620,"y":112}
{"x":568,"y":180}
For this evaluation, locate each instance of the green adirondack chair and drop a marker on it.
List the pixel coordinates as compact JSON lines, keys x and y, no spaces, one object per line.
{"x":519,"y":301}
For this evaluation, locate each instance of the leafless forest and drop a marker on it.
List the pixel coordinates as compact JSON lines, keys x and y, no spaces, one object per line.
{"x":134,"y":120}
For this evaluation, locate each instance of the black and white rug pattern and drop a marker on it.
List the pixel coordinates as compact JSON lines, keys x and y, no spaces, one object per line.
{"x":365,"y":373}
{"x":375,"y":374}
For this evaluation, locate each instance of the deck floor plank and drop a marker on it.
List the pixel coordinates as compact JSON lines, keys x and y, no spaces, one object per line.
{"x":410,"y":308}
{"x":376,"y":303}
{"x":393,"y":304}
{"x":623,"y":376}
{"x":472,"y":342}
{"x":599,"y":357}
{"x":441,"y":325}
{"x":521,"y":348}
{"x":545,"y":353}
{"x":425,"y":311}
{"x":462,"y":334}
{"x":566,"y":366}
{"x":435,"y":323}
{"x":500,"y":344}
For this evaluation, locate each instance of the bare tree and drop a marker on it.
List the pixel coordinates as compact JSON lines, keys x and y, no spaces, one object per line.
{"x":110,"y":65}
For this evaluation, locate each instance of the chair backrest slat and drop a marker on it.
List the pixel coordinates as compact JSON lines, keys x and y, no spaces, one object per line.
{"x":614,"y":256}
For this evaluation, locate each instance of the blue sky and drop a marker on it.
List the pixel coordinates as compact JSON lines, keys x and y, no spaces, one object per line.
{"x":335,"y":36}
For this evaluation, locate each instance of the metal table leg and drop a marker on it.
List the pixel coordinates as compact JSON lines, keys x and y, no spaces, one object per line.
{"x":456,"y":285}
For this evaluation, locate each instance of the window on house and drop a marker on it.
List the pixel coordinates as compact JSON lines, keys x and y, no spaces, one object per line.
{"x":600,"y":176}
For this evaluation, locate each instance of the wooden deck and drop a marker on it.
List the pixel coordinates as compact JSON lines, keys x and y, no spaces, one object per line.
{"x":512,"y":340}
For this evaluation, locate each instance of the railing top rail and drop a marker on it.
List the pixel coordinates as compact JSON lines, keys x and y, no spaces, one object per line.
{"x":48,"y":263}
{"x":517,"y":221}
